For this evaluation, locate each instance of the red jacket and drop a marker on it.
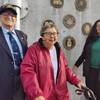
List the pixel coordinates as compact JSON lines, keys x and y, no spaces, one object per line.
{"x":38,"y":78}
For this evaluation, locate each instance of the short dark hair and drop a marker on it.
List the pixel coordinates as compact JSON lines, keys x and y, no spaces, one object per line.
{"x":7,"y":8}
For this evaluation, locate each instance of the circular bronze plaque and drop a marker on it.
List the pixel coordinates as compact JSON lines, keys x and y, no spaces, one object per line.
{"x":69,"y":42}
{"x":69,"y":21}
{"x":57,"y":3}
{"x":80,"y":5}
{"x":86,"y":28}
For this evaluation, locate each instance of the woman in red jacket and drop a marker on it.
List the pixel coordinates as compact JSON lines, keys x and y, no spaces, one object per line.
{"x":44,"y":70}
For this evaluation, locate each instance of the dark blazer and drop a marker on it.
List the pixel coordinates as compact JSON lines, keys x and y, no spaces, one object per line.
{"x":85,"y":58}
{"x":7,"y":66}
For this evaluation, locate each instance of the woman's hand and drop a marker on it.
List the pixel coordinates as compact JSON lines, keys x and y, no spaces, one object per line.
{"x":40,"y":98}
{"x":75,"y":69}
{"x":80,"y":85}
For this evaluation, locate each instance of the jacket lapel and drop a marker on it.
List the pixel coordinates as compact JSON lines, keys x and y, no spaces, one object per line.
{"x":4,"y":44}
{"x":22,"y":40}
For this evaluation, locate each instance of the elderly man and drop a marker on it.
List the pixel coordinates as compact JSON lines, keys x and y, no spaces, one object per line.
{"x":13,"y":46}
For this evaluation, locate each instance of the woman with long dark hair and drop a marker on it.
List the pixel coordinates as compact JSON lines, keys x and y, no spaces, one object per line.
{"x":90,"y":58}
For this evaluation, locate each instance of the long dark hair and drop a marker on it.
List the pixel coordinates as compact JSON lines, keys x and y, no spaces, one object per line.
{"x":93,"y":36}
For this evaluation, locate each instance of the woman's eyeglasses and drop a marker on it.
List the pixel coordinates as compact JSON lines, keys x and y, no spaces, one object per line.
{"x":50,"y":33}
